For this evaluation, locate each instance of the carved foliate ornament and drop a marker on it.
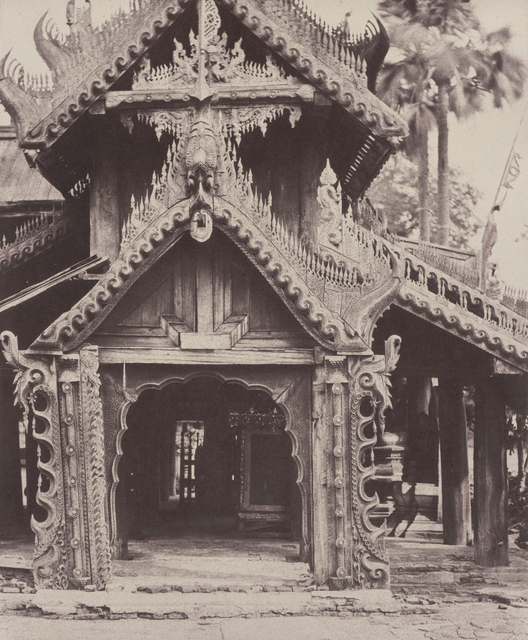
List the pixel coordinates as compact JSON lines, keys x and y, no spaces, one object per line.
{"x":36,"y":393}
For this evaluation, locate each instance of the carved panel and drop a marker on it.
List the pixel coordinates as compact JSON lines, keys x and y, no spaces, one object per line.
{"x":94,"y":452}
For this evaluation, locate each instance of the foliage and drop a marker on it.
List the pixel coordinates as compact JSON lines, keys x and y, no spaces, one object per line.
{"x":440,"y":61}
{"x":395,"y":195}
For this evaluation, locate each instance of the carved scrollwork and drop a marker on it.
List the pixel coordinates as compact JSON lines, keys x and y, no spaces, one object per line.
{"x":36,"y":393}
{"x":370,"y":396}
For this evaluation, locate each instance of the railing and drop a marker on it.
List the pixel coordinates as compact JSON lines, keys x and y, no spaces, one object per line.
{"x":31,"y":238}
{"x":448,"y":291}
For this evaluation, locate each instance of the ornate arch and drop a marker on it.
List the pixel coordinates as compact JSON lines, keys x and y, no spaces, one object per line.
{"x":285,"y":396}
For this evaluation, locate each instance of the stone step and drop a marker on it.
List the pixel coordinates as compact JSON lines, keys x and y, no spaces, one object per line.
{"x":202,"y":606}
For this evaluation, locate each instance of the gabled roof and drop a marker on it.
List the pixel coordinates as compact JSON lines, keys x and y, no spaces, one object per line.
{"x":20,"y":185}
{"x":286,"y":27}
{"x":319,"y":320}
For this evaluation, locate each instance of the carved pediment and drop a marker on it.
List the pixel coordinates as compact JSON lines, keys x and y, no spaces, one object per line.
{"x":86,"y":63}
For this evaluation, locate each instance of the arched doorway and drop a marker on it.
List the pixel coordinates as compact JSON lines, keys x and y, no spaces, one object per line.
{"x":207,"y":457}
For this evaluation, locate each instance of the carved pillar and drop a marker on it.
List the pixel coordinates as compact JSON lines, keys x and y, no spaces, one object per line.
{"x":321,"y":448}
{"x":81,"y":421}
{"x":357,"y":394}
{"x":60,"y":396}
{"x":339,"y":473}
{"x":491,"y":481}
{"x":456,"y":503}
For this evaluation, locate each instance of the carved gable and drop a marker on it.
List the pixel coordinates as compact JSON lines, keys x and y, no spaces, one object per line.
{"x":199,"y":296}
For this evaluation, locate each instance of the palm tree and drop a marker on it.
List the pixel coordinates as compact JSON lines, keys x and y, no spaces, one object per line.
{"x":446,"y":65}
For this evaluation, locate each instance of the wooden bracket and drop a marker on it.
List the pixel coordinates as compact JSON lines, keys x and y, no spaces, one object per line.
{"x":225,"y":337}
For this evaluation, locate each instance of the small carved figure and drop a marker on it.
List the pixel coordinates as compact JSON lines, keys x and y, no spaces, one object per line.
{"x":329,"y":199}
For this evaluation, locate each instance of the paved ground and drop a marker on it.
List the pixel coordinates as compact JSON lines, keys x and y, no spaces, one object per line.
{"x":478,"y":621}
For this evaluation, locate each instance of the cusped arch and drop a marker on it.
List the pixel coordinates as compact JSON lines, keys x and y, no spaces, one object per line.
{"x":132,"y":398}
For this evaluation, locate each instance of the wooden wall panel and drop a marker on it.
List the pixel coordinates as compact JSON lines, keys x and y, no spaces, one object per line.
{"x":159,"y":303}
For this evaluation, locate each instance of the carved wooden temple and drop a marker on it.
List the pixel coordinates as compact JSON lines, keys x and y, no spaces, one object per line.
{"x":211,"y":316}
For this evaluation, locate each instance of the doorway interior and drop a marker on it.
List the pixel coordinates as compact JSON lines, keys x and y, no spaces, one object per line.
{"x":207,"y":458}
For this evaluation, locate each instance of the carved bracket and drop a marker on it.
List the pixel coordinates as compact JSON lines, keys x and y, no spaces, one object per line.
{"x":60,"y":395}
{"x":36,"y":393}
{"x":369,"y":398}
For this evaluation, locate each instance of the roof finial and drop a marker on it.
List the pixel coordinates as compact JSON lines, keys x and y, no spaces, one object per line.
{"x":78,"y":12}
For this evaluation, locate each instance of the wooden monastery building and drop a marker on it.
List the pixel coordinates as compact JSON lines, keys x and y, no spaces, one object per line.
{"x":202,"y":313}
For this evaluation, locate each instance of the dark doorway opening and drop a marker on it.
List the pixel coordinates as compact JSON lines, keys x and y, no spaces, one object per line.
{"x":207,"y":457}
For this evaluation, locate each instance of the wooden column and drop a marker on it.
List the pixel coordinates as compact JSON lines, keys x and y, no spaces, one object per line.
{"x":312,"y":161}
{"x":456,"y":502}
{"x":105,"y":225}
{"x":321,"y":476}
{"x":491,"y":484}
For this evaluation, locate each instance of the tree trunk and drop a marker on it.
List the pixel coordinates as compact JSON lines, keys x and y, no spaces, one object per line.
{"x":520,"y":456}
{"x":443,"y":162}
{"x":423,"y":187}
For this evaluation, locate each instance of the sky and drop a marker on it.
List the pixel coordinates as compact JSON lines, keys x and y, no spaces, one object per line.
{"x":479,"y":147}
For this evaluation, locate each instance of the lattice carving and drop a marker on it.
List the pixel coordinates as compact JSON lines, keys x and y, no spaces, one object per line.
{"x":369,"y":398}
{"x":36,"y":394}
{"x":223,"y":65}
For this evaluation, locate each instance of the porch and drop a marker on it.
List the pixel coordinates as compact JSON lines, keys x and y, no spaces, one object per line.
{"x":422,"y":567}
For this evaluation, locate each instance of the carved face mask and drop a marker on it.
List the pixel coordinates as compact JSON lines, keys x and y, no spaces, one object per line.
{"x":201,"y":162}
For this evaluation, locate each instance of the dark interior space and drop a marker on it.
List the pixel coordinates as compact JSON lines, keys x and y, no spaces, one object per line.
{"x":199,"y":456}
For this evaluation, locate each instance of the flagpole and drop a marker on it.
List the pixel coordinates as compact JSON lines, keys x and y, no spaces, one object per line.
{"x":508,"y":161}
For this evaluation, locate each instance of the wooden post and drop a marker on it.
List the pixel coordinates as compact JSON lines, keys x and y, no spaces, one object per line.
{"x":456,"y":502}
{"x":321,"y":477}
{"x":491,"y":485}
{"x":105,"y":224}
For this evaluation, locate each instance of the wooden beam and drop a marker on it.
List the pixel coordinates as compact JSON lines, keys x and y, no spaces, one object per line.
{"x":105,"y":223}
{"x":224,"y":94}
{"x":36,"y":289}
{"x":456,"y":502}
{"x":491,"y":483}
{"x":149,"y":355}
